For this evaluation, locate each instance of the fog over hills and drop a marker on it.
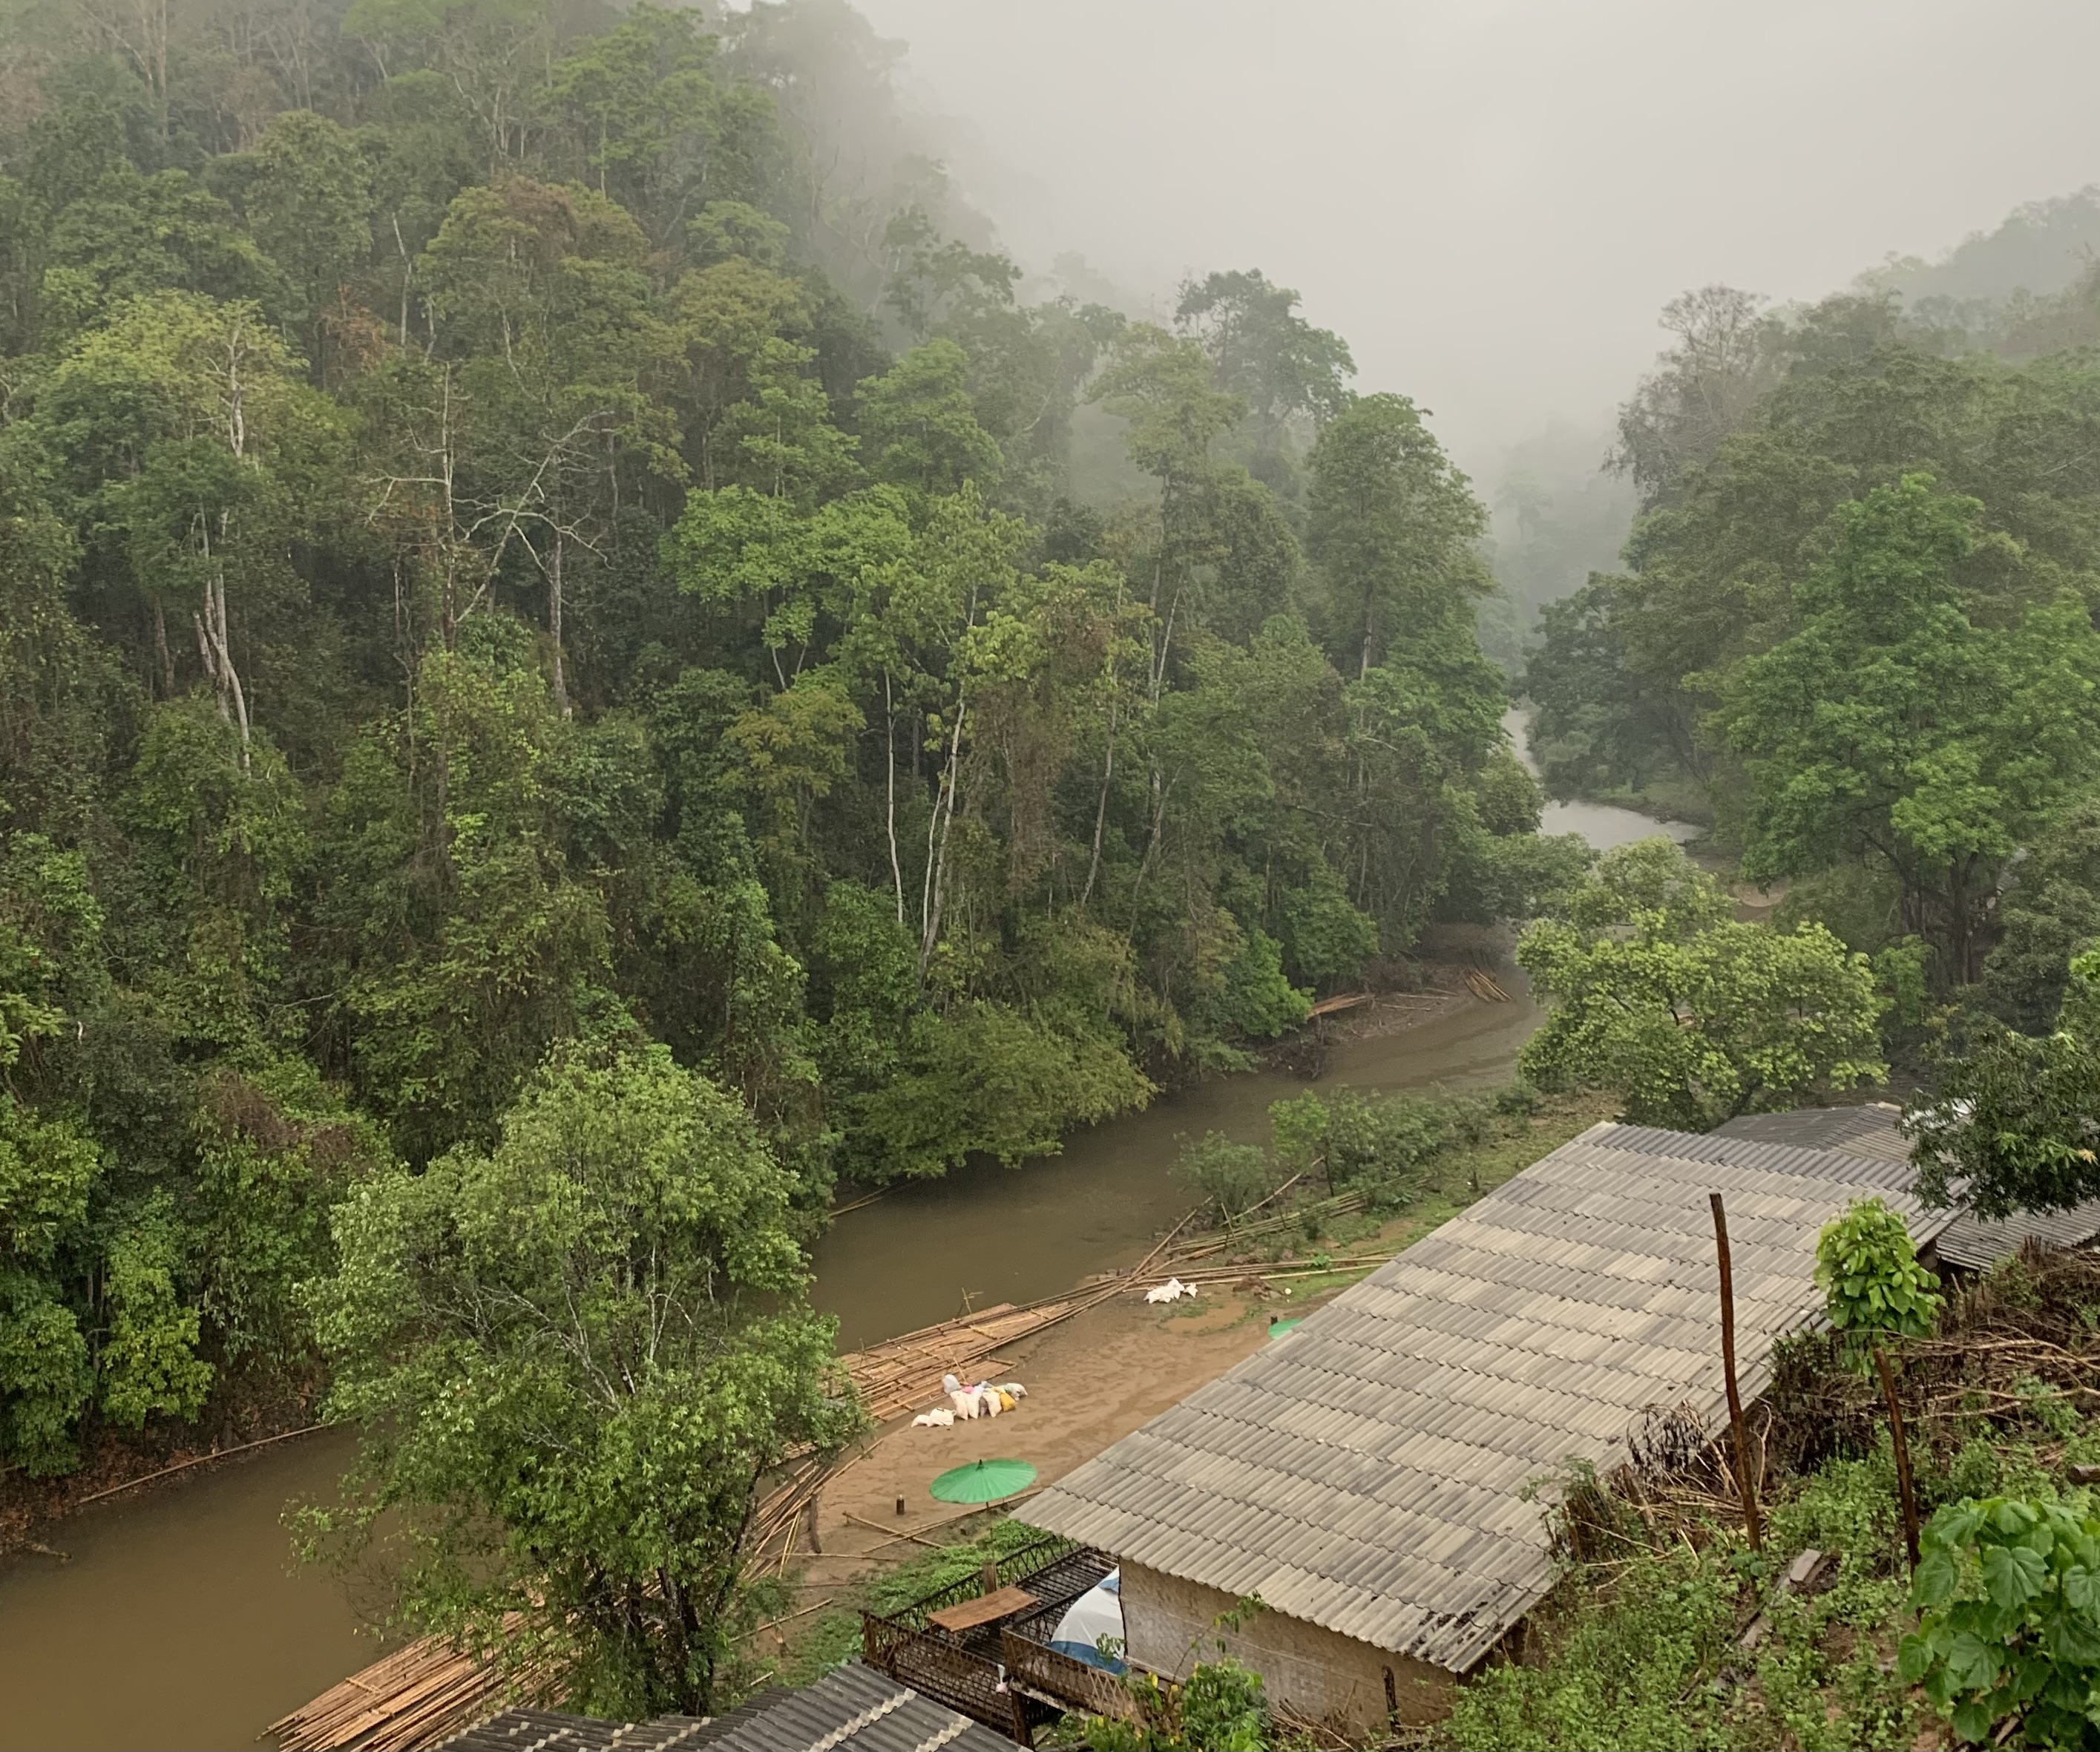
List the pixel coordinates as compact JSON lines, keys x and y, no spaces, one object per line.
{"x":1493,"y":198}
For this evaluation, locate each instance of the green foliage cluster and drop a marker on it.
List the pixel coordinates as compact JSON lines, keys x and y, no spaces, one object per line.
{"x":1382,"y":1146}
{"x":573,"y":1356}
{"x":1229,"y":1175}
{"x":1691,"y":1016}
{"x":2008,"y":1598}
{"x":1856,"y":616}
{"x":1344,"y":1141}
{"x":1640,"y":1645}
{"x":1222,"y":1706}
{"x":1641,"y":1650}
{"x":1873,"y":1286}
{"x":1354,"y":1142}
{"x":525,"y":533}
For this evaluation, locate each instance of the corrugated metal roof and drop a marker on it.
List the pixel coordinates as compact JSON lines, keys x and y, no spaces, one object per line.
{"x":852,"y":1708}
{"x":1968,"y":1240}
{"x":1869,"y":1130}
{"x":546,"y":1731}
{"x":1366,"y":1472}
{"x":1978,"y":1245}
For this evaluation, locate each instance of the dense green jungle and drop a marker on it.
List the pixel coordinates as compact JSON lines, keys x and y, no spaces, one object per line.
{"x":583,"y":658}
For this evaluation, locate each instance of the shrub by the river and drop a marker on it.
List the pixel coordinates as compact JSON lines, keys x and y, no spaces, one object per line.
{"x":1230,"y":1175}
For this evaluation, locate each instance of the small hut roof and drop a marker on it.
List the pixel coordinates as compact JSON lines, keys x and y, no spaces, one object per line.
{"x":1974,"y":1242}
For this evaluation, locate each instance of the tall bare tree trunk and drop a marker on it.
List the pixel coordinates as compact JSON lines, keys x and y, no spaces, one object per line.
{"x":1901,"y":1447}
{"x":889,"y":792}
{"x":937,"y":861}
{"x":554,"y":625}
{"x":1101,"y":809}
{"x":160,"y":649}
{"x":215,"y":647}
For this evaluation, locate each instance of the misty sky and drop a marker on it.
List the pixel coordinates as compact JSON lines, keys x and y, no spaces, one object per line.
{"x":1492,"y":198}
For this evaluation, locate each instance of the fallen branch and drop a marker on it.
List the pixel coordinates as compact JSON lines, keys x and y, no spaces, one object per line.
{"x":183,"y":1466}
{"x":774,"y":1624}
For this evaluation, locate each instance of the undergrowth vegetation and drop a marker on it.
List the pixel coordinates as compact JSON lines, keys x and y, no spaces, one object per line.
{"x":1667,"y":1630}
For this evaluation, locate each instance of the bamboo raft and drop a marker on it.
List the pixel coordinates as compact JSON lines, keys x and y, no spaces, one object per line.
{"x":421,"y":1695}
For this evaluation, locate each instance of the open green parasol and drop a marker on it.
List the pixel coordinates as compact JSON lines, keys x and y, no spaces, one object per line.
{"x":983,"y":1481}
{"x":1277,"y":1328}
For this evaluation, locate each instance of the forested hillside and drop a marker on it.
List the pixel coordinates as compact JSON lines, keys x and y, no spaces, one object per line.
{"x":1856,"y":617}
{"x":529,"y":529}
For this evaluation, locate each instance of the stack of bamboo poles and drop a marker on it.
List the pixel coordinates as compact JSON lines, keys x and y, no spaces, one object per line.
{"x":1216,"y":1274}
{"x":419,"y":1696}
{"x":893,"y":1377}
{"x":1244,"y":1231}
{"x":1483,"y":985}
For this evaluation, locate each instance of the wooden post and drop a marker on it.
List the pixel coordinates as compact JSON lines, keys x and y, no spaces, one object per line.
{"x":1903,"y":1456}
{"x":1745,"y":1483}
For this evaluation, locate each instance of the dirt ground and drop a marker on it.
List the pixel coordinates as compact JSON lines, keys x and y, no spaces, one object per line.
{"x":1090,"y":1382}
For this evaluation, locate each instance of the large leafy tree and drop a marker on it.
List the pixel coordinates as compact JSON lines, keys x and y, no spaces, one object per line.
{"x":573,"y":1357}
{"x":182,"y":426}
{"x":1391,"y":525}
{"x":1262,"y":350}
{"x":540,"y":292}
{"x":1898,"y":727}
{"x":2013,"y":1124}
{"x":1657,"y":993}
{"x":1727,"y":351}
{"x":1806,"y":413}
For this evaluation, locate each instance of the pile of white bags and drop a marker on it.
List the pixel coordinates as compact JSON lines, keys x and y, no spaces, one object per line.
{"x":986,"y":1400}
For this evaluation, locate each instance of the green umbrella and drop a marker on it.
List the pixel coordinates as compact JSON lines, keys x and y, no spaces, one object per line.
{"x":983,"y":1481}
{"x":1277,"y":1328}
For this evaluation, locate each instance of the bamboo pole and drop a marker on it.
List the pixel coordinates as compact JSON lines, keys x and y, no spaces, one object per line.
{"x":1903,"y":1456}
{"x":183,"y":1466}
{"x":1745,"y":1482}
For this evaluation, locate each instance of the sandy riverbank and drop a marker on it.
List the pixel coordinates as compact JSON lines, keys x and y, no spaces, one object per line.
{"x":1090,"y":1382}
{"x":1096,"y":1377}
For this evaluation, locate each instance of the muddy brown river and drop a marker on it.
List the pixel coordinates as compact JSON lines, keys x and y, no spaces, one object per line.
{"x":179,"y":1621}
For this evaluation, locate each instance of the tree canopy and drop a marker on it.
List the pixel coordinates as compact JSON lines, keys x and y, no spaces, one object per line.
{"x":532,"y":538}
{"x":1691,"y":1016}
{"x":573,"y":1356}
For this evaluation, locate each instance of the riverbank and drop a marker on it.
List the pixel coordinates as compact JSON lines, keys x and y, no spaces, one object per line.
{"x":1091,"y":1381}
{"x":186,"y":1587}
{"x":33,"y":1510}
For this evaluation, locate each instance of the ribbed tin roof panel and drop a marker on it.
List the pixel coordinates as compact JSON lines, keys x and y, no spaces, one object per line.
{"x":1368,"y":1471}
